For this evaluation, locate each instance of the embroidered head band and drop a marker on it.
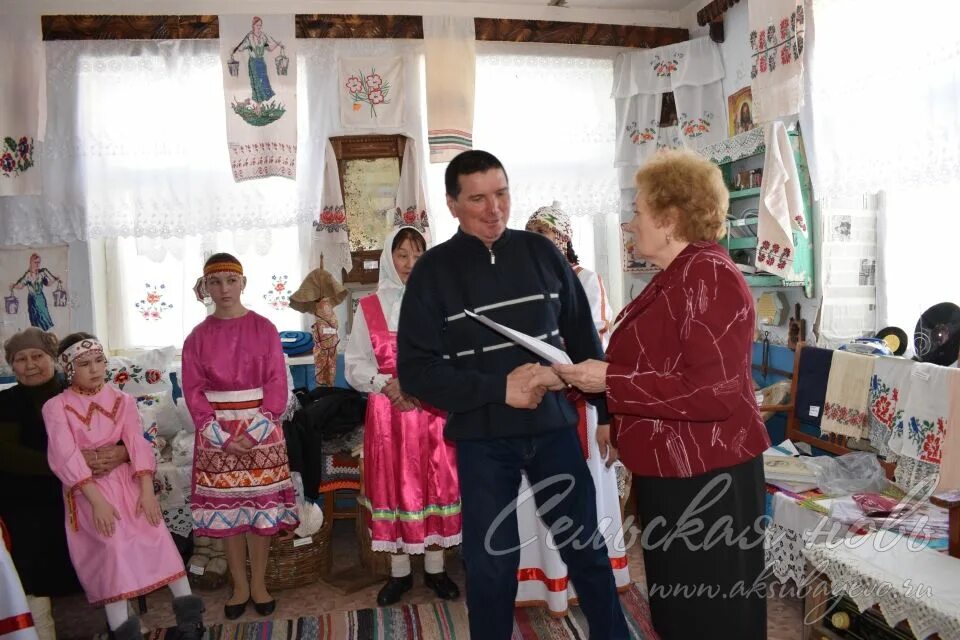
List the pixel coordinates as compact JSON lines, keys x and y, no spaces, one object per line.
{"x":74,"y":351}
{"x":219,"y":267}
{"x":555,"y":218}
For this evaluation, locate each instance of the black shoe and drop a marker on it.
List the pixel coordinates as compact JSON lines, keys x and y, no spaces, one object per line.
{"x":234,"y":611}
{"x":394,"y":590}
{"x":442,"y":585}
{"x":265,"y":608}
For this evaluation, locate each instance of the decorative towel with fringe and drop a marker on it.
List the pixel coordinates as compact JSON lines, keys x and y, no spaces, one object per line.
{"x":848,"y":388}
{"x":22,"y":103}
{"x":776,"y":43}
{"x":331,"y":244}
{"x":411,"y":210}
{"x":449,"y":48}
{"x":919,"y":432}
{"x":259,"y":61}
{"x":891,"y":377}
{"x":781,"y":206}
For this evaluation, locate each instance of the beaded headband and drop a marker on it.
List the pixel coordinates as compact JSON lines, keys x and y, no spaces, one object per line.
{"x":74,"y":351}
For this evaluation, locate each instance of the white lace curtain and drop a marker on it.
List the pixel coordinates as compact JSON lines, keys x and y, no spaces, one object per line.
{"x":170,"y":151}
{"x":885,"y":90}
{"x":136,"y":142}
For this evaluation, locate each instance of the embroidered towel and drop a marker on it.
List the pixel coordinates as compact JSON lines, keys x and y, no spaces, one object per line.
{"x":812,"y":375}
{"x":950,"y":449}
{"x":781,"y":205}
{"x":259,"y":61}
{"x":449,"y":48}
{"x":331,"y":244}
{"x":926,"y":408}
{"x":411,"y":210}
{"x":776,"y":42}
{"x":693,"y":71}
{"x":22,"y":103}
{"x":371,"y":92}
{"x":848,"y":389}
{"x":891,"y":377}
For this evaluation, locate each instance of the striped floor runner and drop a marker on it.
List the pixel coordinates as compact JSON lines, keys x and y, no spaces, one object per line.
{"x":437,"y":621}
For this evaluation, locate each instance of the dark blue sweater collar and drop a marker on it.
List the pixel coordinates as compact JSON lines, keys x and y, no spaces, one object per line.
{"x":462,"y":236}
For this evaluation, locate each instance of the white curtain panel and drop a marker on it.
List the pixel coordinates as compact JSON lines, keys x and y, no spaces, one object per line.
{"x":885,"y":87}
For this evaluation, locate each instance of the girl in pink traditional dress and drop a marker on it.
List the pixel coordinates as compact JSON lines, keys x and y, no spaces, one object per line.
{"x":235,"y":385}
{"x":115,"y":533}
{"x":409,"y":470}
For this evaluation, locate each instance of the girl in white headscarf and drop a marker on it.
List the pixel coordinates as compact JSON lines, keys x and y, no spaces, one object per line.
{"x":412,"y":492}
{"x":552,"y":222}
{"x":542,"y":576}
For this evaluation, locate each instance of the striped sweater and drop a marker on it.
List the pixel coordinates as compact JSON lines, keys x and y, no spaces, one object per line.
{"x":454,"y":363}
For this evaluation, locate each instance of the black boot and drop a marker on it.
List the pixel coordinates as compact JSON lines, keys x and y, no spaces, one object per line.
{"x":188,"y":611}
{"x":394,"y":590}
{"x":129,"y":630}
{"x":442,"y":585}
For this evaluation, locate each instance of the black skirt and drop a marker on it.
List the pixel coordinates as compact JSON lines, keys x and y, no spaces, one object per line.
{"x":705,"y":570}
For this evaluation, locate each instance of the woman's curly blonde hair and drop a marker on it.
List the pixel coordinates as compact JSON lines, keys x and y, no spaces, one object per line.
{"x":685,"y":188}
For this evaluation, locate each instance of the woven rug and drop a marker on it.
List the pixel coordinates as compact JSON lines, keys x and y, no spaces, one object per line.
{"x":437,"y":621}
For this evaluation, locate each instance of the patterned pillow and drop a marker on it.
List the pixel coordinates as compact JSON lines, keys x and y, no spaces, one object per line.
{"x":146,"y":373}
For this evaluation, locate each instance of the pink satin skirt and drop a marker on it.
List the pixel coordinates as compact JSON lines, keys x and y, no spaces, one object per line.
{"x":412,"y":493}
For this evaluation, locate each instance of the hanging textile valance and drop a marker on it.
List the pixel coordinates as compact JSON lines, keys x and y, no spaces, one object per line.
{"x":693,"y":71}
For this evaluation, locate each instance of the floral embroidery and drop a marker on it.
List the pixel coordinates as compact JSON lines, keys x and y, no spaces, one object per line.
{"x":884,"y":401}
{"x":332,"y":219}
{"x":695,"y":127}
{"x":844,"y":415}
{"x":664,"y":67}
{"x":928,"y":436}
{"x":411,"y":218}
{"x":801,"y":222}
{"x":641,"y":136}
{"x":774,"y":254}
{"x":152,"y":306}
{"x":278,"y":296}
{"x":368,"y":88}
{"x":135,"y":373}
{"x":783,"y":41}
{"x":16,"y":156}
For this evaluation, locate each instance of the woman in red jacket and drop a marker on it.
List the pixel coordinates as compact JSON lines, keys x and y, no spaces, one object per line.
{"x":678,"y":382}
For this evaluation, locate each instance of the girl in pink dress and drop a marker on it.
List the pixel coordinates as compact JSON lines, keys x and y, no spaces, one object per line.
{"x":409,"y":469}
{"x":235,"y":385}
{"x":115,"y":534}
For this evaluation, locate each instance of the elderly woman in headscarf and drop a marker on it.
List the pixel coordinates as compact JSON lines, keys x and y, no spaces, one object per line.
{"x":409,"y":470}
{"x":542,"y":575}
{"x":31,"y":497}
{"x":553,"y":223}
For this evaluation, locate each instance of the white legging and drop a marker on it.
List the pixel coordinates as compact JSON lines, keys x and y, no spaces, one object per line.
{"x":117,"y":611}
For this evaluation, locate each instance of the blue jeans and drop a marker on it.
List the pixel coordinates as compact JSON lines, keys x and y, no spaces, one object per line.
{"x":489,"y":483}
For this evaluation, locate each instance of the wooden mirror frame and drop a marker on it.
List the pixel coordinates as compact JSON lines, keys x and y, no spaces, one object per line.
{"x":365,"y":147}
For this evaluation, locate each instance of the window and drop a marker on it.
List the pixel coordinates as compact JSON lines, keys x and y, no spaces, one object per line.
{"x":546,"y":113}
{"x":150,"y":299}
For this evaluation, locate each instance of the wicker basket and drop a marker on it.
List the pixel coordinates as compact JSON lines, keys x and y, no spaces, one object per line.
{"x":377,"y":562}
{"x":293,"y":562}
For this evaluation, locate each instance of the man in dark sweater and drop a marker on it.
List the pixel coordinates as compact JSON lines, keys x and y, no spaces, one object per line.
{"x":506,"y":412}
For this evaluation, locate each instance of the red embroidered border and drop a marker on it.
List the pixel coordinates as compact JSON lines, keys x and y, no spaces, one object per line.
{"x":112,"y":414}
{"x":140,"y":592}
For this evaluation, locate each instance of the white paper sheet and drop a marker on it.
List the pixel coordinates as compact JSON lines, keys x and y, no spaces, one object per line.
{"x":545,"y":350}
